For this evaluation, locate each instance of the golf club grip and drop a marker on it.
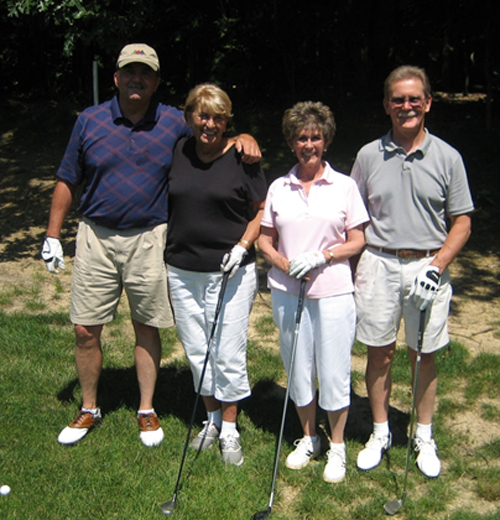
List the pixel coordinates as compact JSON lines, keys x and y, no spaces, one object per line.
{"x":300,"y":305}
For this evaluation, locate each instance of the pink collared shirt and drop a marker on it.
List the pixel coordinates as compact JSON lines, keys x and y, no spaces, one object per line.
{"x":314,"y":222}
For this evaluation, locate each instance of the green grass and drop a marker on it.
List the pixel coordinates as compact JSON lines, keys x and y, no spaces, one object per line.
{"x":110,"y":475}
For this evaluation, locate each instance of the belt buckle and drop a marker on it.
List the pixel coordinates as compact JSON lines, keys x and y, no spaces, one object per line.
{"x":406,"y":254}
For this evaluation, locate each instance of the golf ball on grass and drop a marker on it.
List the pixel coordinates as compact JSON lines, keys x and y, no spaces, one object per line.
{"x":4,"y":490}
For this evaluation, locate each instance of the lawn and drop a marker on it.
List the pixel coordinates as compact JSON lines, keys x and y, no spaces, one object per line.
{"x":110,"y":475}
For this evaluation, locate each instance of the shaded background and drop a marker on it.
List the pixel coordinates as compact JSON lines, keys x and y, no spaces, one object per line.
{"x":272,"y":51}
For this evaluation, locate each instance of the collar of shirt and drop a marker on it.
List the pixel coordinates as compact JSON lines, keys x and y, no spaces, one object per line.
{"x":391,"y":147}
{"x":326,"y":178}
{"x":151,"y":115}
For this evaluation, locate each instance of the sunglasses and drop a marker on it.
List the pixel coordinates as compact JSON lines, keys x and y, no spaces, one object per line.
{"x":414,"y":101}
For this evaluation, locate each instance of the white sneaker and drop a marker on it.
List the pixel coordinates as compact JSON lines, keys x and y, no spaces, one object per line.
{"x":427,"y":460}
{"x":371,"y":455}
{"x":230,"y":448}
{"x":208,"y":435}
{"x":303,"y":453}
{"x":335,"y":467}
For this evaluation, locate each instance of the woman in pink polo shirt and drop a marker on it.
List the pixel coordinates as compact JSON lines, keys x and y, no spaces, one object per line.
{"x":312,"y":224}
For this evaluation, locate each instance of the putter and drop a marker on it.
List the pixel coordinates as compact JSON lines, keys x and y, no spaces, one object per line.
{"x":168,"y":508}
{"x":393,"y":507}
{"x":266,"y":512}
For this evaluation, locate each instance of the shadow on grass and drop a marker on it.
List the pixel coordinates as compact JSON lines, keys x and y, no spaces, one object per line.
{"x":118,"y":388}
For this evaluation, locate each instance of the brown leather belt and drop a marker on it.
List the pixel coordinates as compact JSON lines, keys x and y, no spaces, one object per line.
{"x":406,"y":254}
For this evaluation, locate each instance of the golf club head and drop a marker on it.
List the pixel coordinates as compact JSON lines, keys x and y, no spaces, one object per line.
{"x":168,"y":508}
{"x":262,"y":514}
{"x":393,"y":507}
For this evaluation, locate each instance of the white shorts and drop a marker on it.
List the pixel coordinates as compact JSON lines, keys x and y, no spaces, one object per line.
{"x":324,"y":344}
{"x":108,"y":261}
{"x":194,"y":298}
{"x":382,"y":287}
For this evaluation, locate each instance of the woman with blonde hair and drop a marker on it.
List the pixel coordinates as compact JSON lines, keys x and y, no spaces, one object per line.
{"x":215,"y":206}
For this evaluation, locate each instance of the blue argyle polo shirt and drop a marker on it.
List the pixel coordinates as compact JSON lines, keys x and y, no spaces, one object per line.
{"x":124,"y":167}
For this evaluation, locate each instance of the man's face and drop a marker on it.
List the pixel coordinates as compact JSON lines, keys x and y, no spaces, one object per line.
{"x":136,"y":82}
{"x":407,"y":105}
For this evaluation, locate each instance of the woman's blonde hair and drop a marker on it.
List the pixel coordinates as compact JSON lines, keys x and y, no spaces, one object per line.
{"x":210,"y":98}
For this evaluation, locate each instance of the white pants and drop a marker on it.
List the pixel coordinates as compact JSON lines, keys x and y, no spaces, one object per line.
{"x":324,"y":346}
{"x":194,"y":298}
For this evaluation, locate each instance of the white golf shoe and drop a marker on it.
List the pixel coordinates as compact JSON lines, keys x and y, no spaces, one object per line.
{"x":151,"y":432}
{"x":371,"y":455}
{"x":78,"y":428}
{"x":206,"y":438}
{"x":305,"y":451}
{"x":230,"y":448}
{"x":335,"y":467}
{"x":427,"y":460}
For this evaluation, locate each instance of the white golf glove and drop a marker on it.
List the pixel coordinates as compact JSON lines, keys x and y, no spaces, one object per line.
{"x":52,"y":254}
{"x":231,"y":261}
{"x":426,"y":286}
{"x":303,"y":263}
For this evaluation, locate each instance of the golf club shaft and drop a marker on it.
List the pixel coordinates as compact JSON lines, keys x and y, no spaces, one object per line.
{"x":298,"y":317}
{"x":421,"y":328}
{"x":225,"y":278}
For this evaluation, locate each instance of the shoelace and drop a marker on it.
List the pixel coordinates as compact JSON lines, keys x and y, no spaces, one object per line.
{"x":207,"y":428}
{"x":425,"y":446}
{"x":230,"y":444}
{"x":303,"y":445}
{"x":377,"y":443}
{"x":148,"y":423}
{"x":331,"y":454}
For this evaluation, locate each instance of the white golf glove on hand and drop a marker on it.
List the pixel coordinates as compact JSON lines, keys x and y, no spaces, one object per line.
{"x":426,"y":286}
{"x":52,"y":254}
{"x":303,"y":263}
{"x":231,"y":261}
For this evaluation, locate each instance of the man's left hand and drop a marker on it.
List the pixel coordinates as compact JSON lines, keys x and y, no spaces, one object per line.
{"x":247,"y":146}
{"x":426,"y":286}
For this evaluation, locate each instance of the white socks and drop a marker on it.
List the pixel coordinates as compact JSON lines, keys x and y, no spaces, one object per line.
{"x":93,"y":411}
{"x":424,"y":432}
{"x":228,"y":428}
{"x":381,"y":430}
{"x":215,"y":418}
{"x":145,"y":411}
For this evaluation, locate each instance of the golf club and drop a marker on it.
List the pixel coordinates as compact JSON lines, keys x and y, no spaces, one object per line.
{"x":393,"y":507}
{"x":265,"y":513}
{"x":168,"y":508}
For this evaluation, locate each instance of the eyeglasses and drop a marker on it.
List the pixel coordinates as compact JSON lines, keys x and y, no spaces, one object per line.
{"x":414,"y":101}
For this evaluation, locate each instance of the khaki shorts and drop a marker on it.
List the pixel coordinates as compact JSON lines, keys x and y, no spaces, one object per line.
{"x":382,"y":287}
{"x":107,"y":262}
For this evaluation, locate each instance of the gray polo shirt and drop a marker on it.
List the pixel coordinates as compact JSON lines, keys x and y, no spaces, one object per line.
{"x":408,"y":196}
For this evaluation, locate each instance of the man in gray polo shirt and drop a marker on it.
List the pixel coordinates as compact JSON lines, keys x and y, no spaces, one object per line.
{"x":412,"y":183}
